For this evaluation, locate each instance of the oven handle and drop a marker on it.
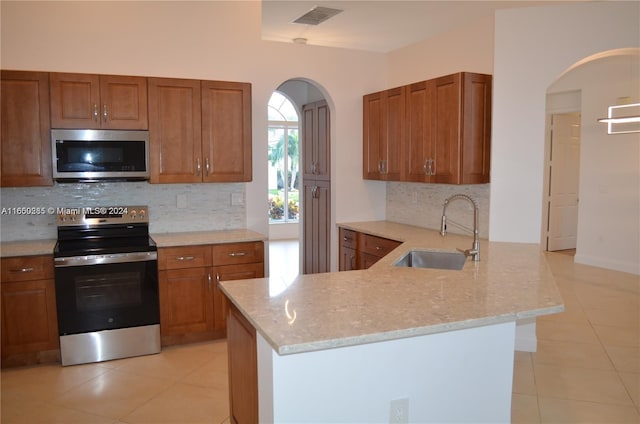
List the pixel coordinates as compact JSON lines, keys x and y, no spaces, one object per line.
{"x":116,"y":258}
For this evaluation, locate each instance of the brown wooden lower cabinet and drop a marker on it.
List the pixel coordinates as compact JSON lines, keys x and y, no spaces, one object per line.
{"x":359,"y":250}
{"x":29,"y":318}
{"x":243,"y":368}
{"x":192,"y":307}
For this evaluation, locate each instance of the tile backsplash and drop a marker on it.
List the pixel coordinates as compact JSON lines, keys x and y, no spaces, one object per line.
{"x":421,"y":205}
{"x":172,"y":207}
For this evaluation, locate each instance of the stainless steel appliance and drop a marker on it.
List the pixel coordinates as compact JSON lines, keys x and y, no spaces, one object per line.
{"x":106,"y":278}
{"x":98,"y":155}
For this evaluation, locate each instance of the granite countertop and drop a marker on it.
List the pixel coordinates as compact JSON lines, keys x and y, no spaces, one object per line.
{"x":321,"y":311}
{"x":45,"y":247}
{"x":206,"y":237}
{"x":27,"y":248}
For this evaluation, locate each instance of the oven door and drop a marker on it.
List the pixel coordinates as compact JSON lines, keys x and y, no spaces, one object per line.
{"x":105,"y":292}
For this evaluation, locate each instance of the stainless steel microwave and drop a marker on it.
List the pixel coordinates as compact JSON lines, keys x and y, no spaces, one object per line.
{"x":100,"y":155}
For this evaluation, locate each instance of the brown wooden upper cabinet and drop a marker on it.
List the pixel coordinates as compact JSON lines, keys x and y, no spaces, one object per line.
{"x":200,"y":131}
{"x":98,"y":101}
{"x":25,"y":145}
{"x":383,"y":132}
{"x":446,"y":135}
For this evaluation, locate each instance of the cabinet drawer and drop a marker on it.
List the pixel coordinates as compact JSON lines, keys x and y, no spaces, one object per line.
{"x":237,"y":253}
{"x":376,"y":246}
{"x":26,"y":268}
{"x":347,"y":238}
{"x":184,"y":257}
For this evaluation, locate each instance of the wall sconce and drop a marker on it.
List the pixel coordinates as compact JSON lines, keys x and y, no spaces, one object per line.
{"x":623,"y":119}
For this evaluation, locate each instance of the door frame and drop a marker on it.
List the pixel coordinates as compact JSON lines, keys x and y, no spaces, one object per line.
{"x":557,"y":103}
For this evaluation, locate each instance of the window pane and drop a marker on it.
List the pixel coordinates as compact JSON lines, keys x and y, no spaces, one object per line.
{"x":283,"y":160}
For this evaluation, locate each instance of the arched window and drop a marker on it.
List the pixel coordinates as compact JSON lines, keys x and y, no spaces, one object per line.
{"x":284,"y":160}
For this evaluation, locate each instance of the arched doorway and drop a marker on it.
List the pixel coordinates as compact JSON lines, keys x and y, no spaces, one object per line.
{"x":310,"y":194}
{"x":606,"y":204}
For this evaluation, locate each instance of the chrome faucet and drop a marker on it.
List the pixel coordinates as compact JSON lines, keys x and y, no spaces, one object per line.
{"x":474,"y":252}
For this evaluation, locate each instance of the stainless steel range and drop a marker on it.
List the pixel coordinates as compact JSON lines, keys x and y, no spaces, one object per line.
{"x":106,"y":279}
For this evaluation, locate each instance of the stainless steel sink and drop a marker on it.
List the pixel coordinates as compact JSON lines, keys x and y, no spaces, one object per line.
{"x":432,"y":259}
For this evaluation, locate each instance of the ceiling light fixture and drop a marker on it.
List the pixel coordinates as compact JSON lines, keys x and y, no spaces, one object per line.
{"x":625,"y":117}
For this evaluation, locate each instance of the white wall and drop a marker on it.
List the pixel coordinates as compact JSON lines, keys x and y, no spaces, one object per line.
{"x":533,"y":47}
{"x":609,"y":207}
{"x":462,"y":376}
{"x":217,"y":40}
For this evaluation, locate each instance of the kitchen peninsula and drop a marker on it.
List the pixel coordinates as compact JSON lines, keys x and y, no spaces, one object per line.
{"x":357,"y":346}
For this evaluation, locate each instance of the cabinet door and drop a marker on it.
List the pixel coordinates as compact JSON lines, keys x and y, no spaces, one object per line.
{"x":25,"y":136}
{"x":476,"y":130}
{"x":75,"y":100}
{"x":317,"y":236}
{"x":174,"y":131}
{"x":373,"y":136}
{"x":316,"y":135}
{"x":347,"y":250}
{"x":348,"y":259}
{"x":123,"y":102}
{"x":186,"y":301}
{"x":29,"y":319}
{"x":394,"y":131}
{"x":383,"y":131}
{"x":226,"y":131}
{"x":243,"y":368}
{"x":446,"y":129}
{"x":417,"y":152}
{"x":228,"y":273}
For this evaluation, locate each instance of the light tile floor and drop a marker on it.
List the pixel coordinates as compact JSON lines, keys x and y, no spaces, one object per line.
{"x":586,"y":369}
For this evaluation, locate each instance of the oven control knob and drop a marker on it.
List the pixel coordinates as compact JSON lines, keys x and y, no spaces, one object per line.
{"x":142,"y":213}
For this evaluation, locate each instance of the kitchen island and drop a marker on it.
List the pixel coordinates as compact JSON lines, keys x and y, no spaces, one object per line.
{"x":430,"y":344}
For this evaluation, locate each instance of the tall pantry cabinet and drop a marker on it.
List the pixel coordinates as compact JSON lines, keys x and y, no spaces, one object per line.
{"x":316,"y":204}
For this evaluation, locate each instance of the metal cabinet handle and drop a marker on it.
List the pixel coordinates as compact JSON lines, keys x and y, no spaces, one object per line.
{"x":234,"y":254}
{"x":185,"y":258}
{"x":95,"y":112}
{"x":345,"y":238}
{"x":105,"y":113}
{"x":206,"y":166}
{"x":425,"y":167}
{"x":378,"y":248}
{"x":433,"y":167}
{"x":217,"y":277}
{"x":198,"y":167}
{"x":21,"y":270}
{"x":209,"y":278}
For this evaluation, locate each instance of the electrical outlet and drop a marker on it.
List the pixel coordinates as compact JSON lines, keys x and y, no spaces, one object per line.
{"x":399,"y":413}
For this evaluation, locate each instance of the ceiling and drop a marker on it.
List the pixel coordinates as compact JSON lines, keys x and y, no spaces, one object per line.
{"x":377,"y":26}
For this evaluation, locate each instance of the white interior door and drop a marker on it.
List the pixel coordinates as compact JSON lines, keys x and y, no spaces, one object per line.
{"x":564,"y":181}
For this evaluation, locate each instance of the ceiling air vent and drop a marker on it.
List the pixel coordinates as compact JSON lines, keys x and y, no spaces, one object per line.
{"x":317,"y":15}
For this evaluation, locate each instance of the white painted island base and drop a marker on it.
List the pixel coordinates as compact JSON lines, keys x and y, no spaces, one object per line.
{"x":457,"y":376}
